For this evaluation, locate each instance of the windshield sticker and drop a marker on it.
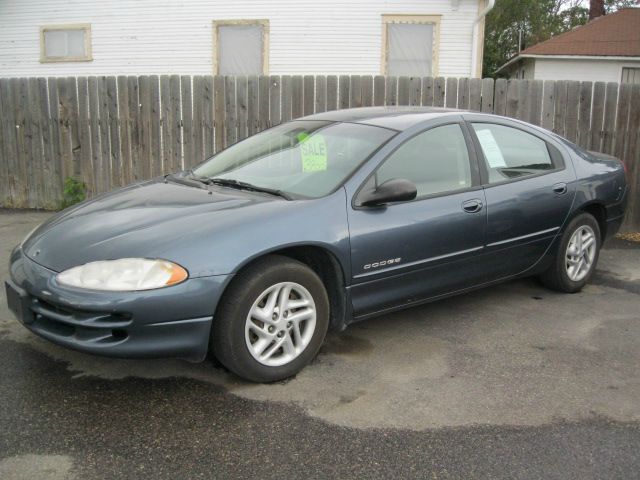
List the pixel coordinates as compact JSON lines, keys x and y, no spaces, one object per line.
{"x":490,"y":148}
{"x":313,"y":151}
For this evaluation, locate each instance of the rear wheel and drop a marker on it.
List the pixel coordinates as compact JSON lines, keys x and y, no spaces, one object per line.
{"x":272,"y":320}
{"x":576,"y":257}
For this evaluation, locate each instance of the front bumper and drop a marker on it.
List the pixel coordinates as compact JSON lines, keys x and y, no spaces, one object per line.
{"x":168,"y":322}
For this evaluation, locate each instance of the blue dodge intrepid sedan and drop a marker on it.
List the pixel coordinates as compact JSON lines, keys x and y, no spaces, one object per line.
{"x":315,"y":224}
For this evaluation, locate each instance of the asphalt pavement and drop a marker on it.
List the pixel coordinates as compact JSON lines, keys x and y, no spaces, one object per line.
{"x":513,"y":381}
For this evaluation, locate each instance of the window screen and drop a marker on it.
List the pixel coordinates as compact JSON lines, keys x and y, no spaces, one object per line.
{"x":65,"y":44}
{"x":511,"y":153}
{"x":409,"y":49}
{"x":631,"y":75}
{"x":240,"y":49}
{"x":435,"y":161}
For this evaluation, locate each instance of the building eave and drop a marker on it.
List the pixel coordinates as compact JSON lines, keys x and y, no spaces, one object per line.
{"x":517,"y":58}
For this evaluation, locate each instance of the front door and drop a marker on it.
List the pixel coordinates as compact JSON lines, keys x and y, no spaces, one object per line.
{"x":410,"y":251}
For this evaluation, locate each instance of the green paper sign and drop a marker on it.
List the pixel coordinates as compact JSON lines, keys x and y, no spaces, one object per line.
{"x":313,"y":150}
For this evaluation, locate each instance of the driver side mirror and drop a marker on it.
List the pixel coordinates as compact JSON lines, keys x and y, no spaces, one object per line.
{"x":394,"y":190}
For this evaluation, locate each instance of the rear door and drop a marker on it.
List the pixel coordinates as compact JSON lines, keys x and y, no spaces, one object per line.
{"x":409,"y":251}
{"x":529,"y":187}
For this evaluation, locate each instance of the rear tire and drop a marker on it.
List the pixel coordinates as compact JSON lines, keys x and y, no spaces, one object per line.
{"x":271,"y":321}
{"x":576,"y":257}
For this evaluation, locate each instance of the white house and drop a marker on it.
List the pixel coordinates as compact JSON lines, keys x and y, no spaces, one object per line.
{"x":107,"y":37}
{"x":607,"y":49}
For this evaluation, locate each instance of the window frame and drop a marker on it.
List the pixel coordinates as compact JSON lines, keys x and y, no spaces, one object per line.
{"x":418,"y":19}
{"x":84,"y":27}
{"x":559,"y":163}
{"x":476,"y":181}
{"x":263,"y":22}
{"x":636,"y":70}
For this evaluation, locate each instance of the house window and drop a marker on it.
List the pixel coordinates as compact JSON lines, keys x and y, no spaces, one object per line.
{"x":65,"y":43}
{"x":410,"y":45}
{"x":241,"y":47}
{"x":631,"y":75}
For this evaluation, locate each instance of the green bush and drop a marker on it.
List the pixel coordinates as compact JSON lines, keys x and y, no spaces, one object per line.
{"x":75,"y":191}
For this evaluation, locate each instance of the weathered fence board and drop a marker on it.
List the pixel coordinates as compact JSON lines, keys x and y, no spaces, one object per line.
{"x":597,"y":114}
{"x":378,"y":90}
{"x":34,"y":165}
{"x":114,"y":134}
{"x":187,"y":121}
{"x":355,"y":89}
{"x":321,"y":95}
{"x":560,"y":106}
{"x":230,"y":119}
{"x":296,"y":96}
{"x":584,"y":114}
{"x":198,"y":118}
{"x":475,"y":94}
{"x":548,"y":102}
{"x":133,"y":128}
{"x":263,"y":108}
{"x":219,"y":111}
{"x":367,"y":90}
{"x":308,"y":95}
{"x":451,"y":93}
{"x":286,"y":92}
{"x":241,"y":107}
{"x":144,"y":96}
{"x":108,"y":131}
{"x":631,"y":156}
{"x":105,"y":146}
{"x":343,"y":91}
{"x":253,"y":104}
{"x":403,"y":91}
{"x":156,"y":129}
{"x":463,"y":94}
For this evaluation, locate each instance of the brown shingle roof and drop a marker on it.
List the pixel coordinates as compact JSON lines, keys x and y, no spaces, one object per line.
{"x":616,"y":34}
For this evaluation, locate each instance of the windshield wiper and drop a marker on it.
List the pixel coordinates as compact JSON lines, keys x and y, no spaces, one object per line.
{"x":228,"y":182}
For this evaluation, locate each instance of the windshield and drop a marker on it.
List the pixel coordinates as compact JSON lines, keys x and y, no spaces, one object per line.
{"x":304,"y":158}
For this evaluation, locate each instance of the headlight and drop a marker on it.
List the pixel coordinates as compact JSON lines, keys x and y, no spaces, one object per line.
{"x":125,"y":274}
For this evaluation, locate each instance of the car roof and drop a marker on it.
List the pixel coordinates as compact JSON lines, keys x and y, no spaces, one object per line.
{"x":396,"y":117}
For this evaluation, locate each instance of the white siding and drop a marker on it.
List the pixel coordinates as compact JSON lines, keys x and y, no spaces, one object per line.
{"x":175,"y":36}
{"x":583,"y":70}
{"x":524,"y":69}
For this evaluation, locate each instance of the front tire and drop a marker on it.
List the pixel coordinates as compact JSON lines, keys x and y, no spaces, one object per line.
{"x":576,"y":257}
{"x":271,"y":321}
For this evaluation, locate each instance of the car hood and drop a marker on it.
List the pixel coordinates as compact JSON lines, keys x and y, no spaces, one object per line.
{"x":150,"y":220}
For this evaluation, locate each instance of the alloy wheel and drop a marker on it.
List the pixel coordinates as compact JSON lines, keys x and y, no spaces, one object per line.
{"x":581,"y":252}
{"x":280,"y":324}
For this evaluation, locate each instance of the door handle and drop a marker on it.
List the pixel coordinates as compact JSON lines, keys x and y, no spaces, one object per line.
{"x":560,"y":188}
{"x":472,"y":206}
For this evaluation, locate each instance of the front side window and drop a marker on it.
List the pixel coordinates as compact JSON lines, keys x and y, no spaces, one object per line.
{"x":305,"y":159}
{"x":241,"y":47}
{"x":65,"y":43}
{"x":435,"y":161}
{"x":511,"y":153}
{"x":410,"y":45}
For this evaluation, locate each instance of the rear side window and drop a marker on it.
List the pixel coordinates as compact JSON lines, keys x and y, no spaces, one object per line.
{"x":511,"y":153}
{"x":435,"y":161}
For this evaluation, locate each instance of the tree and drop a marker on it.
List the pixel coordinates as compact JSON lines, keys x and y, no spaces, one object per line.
{"x":514,"y":25}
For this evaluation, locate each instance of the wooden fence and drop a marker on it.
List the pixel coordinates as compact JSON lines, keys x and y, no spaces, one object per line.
{"x":111,"y":131}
